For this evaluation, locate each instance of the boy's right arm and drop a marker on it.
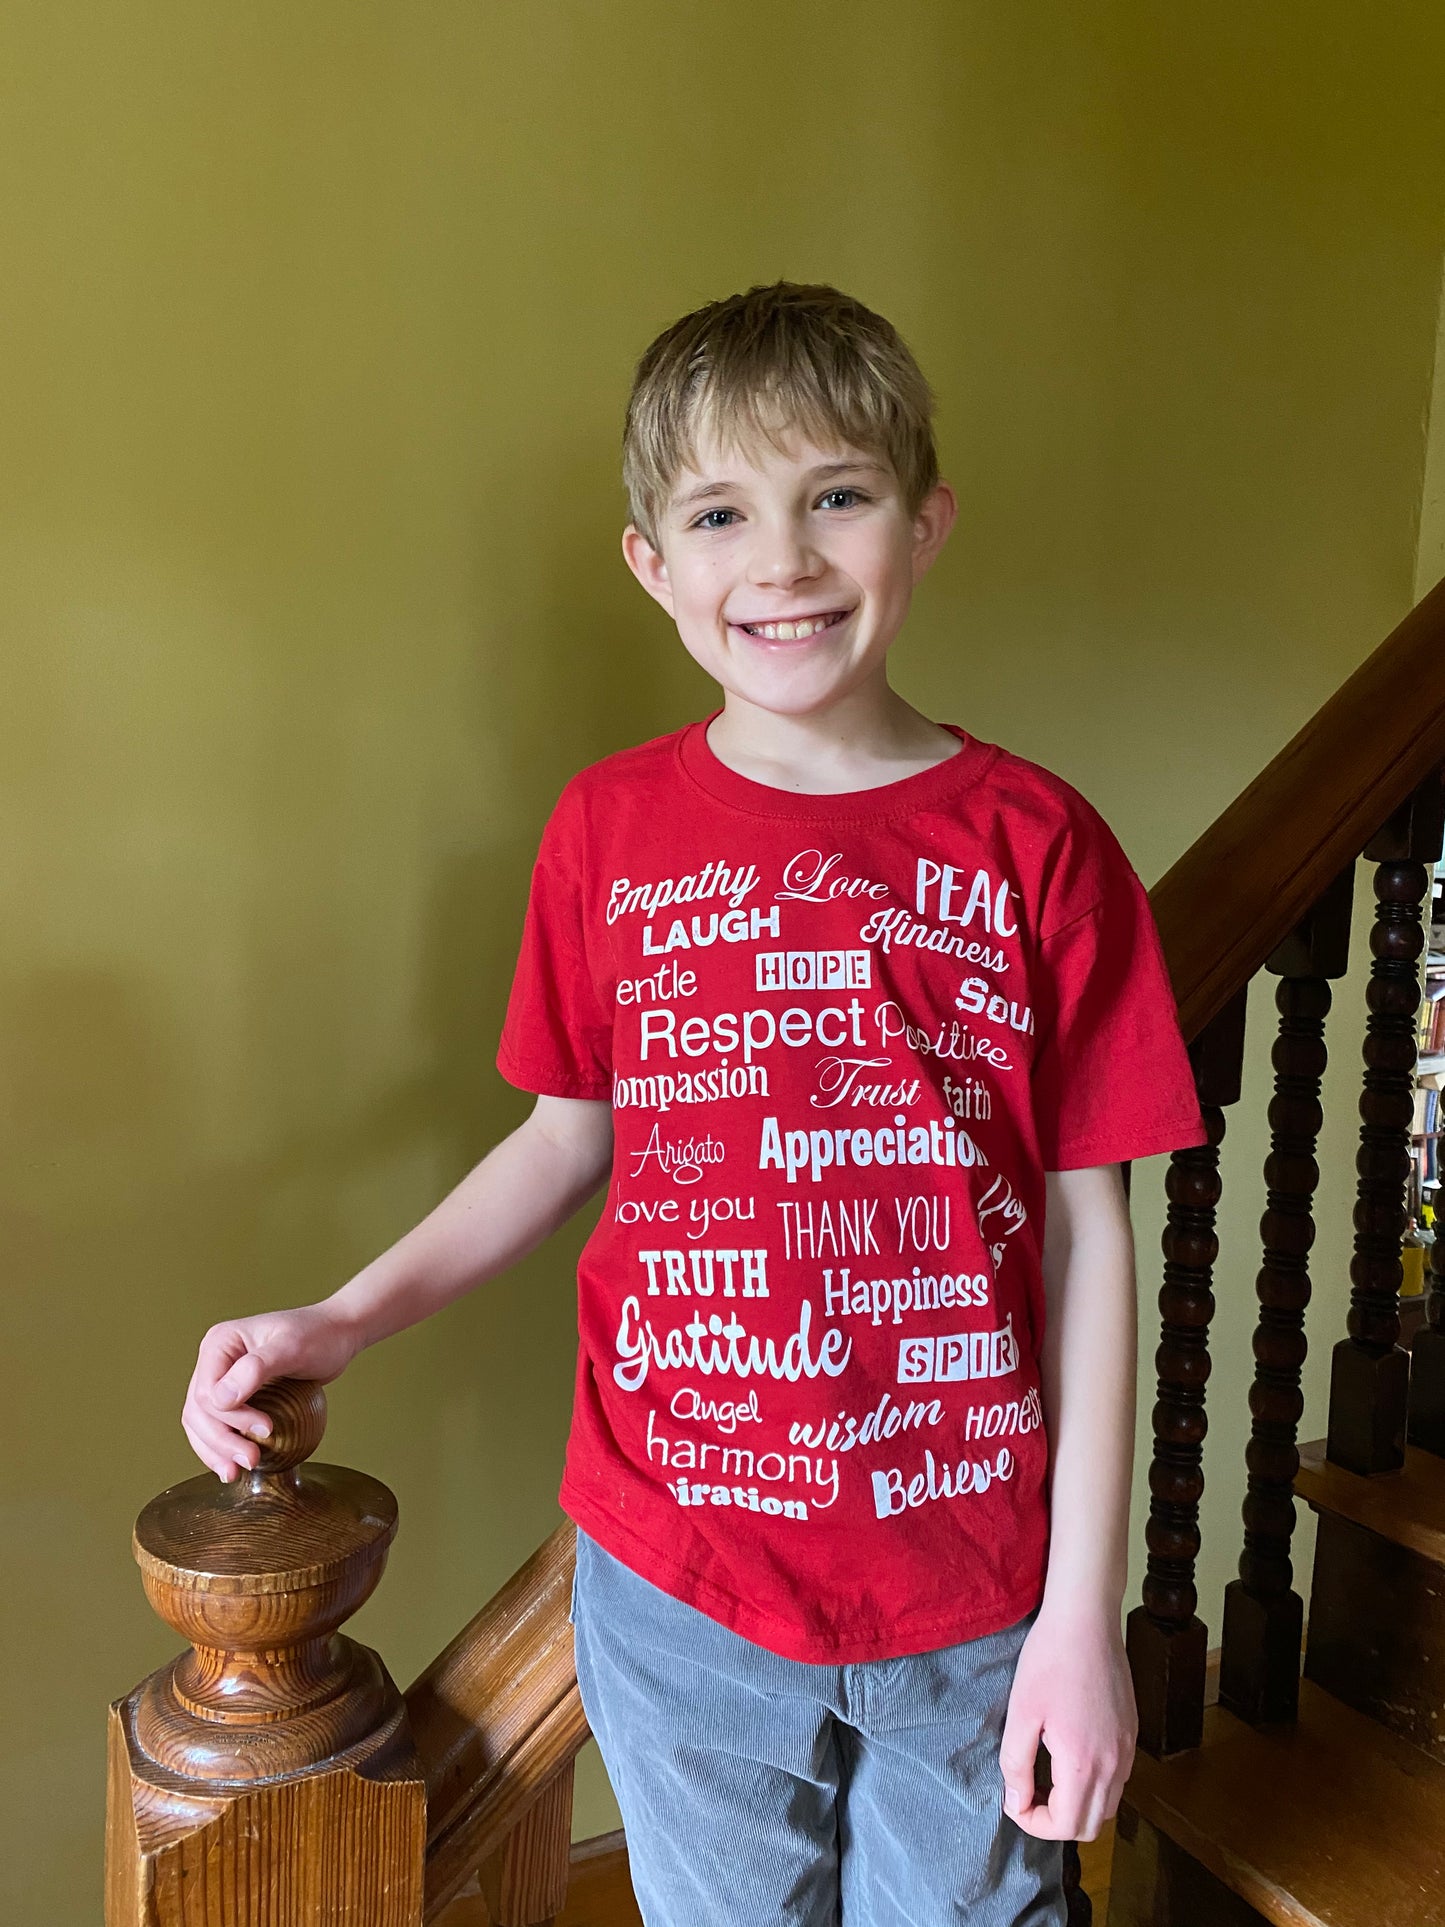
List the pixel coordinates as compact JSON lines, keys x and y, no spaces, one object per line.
{"x":526,"y":1187}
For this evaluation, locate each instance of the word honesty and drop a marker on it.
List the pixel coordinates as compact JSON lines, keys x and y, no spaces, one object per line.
{"x":958,"y":1355}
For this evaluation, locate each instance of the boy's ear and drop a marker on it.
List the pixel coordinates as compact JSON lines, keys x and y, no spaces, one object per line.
{"x":647,"y":565}
{"x":936,"y":514}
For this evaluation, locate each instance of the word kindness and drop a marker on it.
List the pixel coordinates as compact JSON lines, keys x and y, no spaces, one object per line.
{"x":813,"y":1152}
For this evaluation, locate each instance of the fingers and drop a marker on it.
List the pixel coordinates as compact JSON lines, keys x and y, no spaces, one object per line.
{"x":1017,"y":1754}
{"x":215,"y":1418}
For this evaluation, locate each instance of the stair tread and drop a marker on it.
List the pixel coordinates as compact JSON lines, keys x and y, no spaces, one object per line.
{"x":1407,"y":1506}
{"x":1331,"y":1822}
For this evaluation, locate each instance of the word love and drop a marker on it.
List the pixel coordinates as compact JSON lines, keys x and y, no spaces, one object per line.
{"x":986,"y":900}
{"x":681,"y":1158}
{"x":714,"y":1345}
{"x":714,"y":880}
{"x":697,"y":1273}
{"x":890,"y":1495}
{"x":811,"y":877}
{"x":702,"y":1213}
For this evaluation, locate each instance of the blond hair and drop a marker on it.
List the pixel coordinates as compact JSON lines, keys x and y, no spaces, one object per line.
{"x":751,"y":367}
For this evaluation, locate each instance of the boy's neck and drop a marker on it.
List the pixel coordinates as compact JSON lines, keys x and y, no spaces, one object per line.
{"x":870,"y":737}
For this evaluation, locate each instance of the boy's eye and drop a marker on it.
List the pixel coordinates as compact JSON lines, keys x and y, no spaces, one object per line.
{"x":856,"y":493}
{"x":705,"y":521}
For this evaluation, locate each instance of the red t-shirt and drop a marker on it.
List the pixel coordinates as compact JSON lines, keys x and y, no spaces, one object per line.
{"x":844,"y":1037}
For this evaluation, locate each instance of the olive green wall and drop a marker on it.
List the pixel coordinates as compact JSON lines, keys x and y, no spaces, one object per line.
{"x":319,"y":321}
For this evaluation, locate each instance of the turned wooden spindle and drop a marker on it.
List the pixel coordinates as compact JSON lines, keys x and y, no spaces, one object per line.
{"x":1427,"y":1358}
{"x":1166,"y":1639}
{"x":1263,"y":1614}
{"x":268,"y":1773}
{"x":1369,"y":1376}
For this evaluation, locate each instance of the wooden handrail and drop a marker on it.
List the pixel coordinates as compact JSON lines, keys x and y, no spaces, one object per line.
{"x":496,"y":1716}
{"x":1245,"y":883}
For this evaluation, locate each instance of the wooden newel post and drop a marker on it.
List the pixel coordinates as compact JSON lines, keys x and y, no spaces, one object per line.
{"x":267,"y":1774}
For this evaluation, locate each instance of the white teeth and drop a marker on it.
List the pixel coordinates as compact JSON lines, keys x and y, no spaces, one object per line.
{"x":788,"y":631}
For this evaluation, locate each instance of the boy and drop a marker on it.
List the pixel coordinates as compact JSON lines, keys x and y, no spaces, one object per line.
{"x":862,"y":1014}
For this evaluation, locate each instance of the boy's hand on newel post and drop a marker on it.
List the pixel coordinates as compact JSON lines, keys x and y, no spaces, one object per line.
{"x":1071,"y":1690}
{"x":236,"y":1358}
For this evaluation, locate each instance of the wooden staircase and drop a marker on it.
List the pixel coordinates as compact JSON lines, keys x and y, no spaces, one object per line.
{"x":275,"y":1773}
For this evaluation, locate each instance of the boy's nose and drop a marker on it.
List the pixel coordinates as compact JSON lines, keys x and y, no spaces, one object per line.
{"x":782,"y":557}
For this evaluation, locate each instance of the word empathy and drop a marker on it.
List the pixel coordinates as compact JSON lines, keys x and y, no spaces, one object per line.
{"x":947,"y":1358}
{"x":814,"y":970}
{"x":734,"y":926}
{"x":713,"y":1344}
{"x":890,"y":1494}
{"x":844,"y":1432}
{"x":714,"y":880}
{"x":681,"y":1158}
{"x":977,"y":996}
{"x":812,"y":1152}
{"x":741,"y":1462}
{"x":986,"y":900}
{"x":900,"y":928}
{"x":880,"y":1298}
{"x":707,"y":1266}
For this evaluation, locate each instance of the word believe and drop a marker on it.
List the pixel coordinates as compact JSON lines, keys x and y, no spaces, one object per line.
{"x":700,"y":1261}
{"x":734,"y":926}
{"x":890,"y":1495}
{"x":714,"y":880}
{"x":792,"y":1152}
{"x":880,"y":1298}
{"x":712,"y":1344}
{"x":958,"y":1355}
{"x":813,"y":970}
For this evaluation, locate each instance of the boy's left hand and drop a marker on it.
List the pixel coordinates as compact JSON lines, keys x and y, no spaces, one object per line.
{"x":1072,"y":1691}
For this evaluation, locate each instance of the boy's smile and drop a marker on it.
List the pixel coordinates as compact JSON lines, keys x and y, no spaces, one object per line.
{"x":789,"y":571}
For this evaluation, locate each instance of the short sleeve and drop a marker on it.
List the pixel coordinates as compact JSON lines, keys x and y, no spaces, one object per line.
{"x":1111,"y":1074}
{"x":557,"y":1034}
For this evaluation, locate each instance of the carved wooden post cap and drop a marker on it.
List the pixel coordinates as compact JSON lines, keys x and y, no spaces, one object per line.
{"x":258,"y":1575}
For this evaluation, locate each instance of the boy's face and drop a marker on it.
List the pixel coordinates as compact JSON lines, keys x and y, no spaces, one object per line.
{"x":814,"y":535}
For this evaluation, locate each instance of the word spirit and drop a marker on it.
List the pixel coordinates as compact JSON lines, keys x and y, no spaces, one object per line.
{"x":958,"y":1355}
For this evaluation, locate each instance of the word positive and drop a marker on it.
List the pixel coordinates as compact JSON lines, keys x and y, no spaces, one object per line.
{"x":697,"y":1273}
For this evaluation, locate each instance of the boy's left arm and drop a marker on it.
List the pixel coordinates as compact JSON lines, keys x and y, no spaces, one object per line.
{"x":1072,"y":1688}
